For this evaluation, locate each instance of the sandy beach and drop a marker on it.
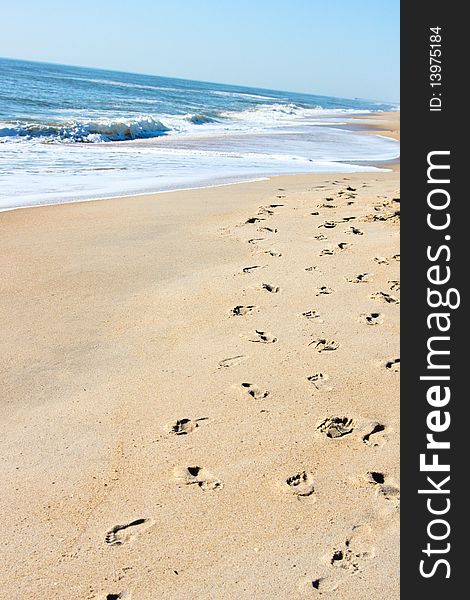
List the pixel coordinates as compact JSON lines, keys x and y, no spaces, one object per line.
{"x":200,"y":392}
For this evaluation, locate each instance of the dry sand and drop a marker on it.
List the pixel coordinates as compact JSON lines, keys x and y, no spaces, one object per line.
{"x":118,"y":322}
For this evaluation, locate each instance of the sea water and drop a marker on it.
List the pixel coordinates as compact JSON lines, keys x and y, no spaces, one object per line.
{"x":74,"y":133}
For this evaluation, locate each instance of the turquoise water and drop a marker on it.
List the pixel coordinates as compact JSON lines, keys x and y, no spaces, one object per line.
{"x":71,"y":133}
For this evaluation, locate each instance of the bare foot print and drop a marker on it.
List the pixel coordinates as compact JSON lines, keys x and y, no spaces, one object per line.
{"x":384,"y":487}
{"x":118,"y":596}
{"x":375,"y":436}
{"x":254,"y":220}
{"x":381,"y":260}
{"x":394,"y":285}
{"x":268,"y":229}
{"x":254,"y":391}
{"x":264,"y":210}
{"x":199,"y":476}
{"x":232,"y":361}
{"x":301,"y":484}
{"x":183,"y":426}
{"x":328,"y":225}
{"x":384,"y":297}
{"x":262,"y":337}
{"x":355,"y":231}
{"x":272,"y":253}
{"x":314,"y":269}
{"x":251,"y":269}
{"x":324,"y":291}
{"x":310,"y":586}
{"x":393,"y":365}
{"x":312,"y":315}
{"x":356,"y":549}
{"x":319,"y":381}
{"x":361,"y":278}
{"x":373,"y":318}
{"x":255,"y":240}
{"x":336,"y":427}
{"x":240,"y":310}
{"x":274,"y":289}
{"x":324,"y":345}
{"x":120,"y":534}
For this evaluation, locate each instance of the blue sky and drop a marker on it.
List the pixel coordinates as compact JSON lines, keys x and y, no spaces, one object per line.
{"x":346,"y":48}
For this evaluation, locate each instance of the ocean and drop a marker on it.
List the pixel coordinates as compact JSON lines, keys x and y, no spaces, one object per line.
{"x":74,"y":133}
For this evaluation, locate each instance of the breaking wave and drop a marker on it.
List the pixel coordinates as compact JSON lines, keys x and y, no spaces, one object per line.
{"x":100,"y":130}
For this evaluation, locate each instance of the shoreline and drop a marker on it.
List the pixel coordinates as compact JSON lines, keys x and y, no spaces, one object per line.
{"x":390,"y":121}
{"x":174,"y":365}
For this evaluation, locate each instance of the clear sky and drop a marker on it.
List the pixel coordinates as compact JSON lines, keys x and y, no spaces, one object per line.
{"x":346,"y":48}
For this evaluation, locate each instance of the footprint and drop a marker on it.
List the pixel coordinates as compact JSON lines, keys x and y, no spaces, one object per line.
{"x":394,"y":285}
{"x":361,"y":278}
{"x":301,"y":484}
{"x":255,"y":240}
{"x":344,"y":245}
{"x":250,"y":269}
{"x":240,"y":310}
{"x":327,"y":252}
{"x":393,"y":365}
{"x":375,"y":436}
{"x":254,"y":391}
{"x":327,"y":205}
{"x":231,"y":362}
{"x":336,"y":427}
{"x":276,"y":205}
{"x":319,"y":381}
{"x":311,"y":586}
{"x":356,"y":549}
{"x":118,"y":596}
{"x":183,"y":426}
{"x":262,"y":337}
{"x":199,"y":476}
{"x":120,"y":534}
{"x":264,"y":210}
{"x":373,"y":318}
{"x":272,"y":253}
{"x":350,"y":189}
{"x":268,"y":229}
{"x":254,"y":220}
{"x":347,"y":219}
{"x":344,"y":560}
{"x":381,"y":260}
{"x":314,"y":268}
{"x":312,"y":315}
{"x":274,"y":289}
{"x":384,"y":487}
{"x":328,"y":225}
{"x":355,"y":231}
{"x":324,"y":345}
{"x":320,"y":237}
{"x":384,"y":297}
{"x":324,"y":291}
